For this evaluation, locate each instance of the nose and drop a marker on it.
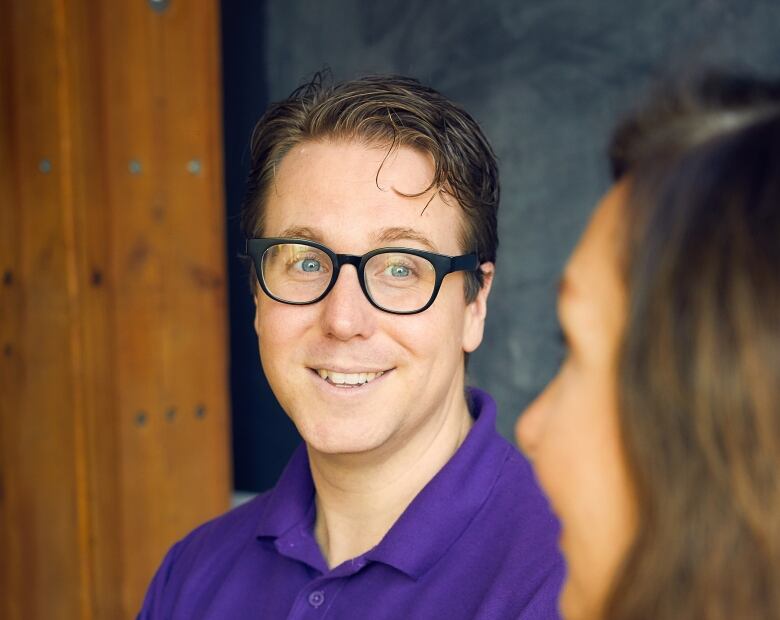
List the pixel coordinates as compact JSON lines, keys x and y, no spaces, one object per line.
{"x":530,"y":424}
{"x":346,"y":313}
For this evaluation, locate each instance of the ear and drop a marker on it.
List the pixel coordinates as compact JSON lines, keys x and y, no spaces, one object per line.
{"x":256,"y":322}
{"x":476,"y":311}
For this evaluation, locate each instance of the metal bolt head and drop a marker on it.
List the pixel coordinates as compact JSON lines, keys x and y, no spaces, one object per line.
{"x":200,"y":412}
{"x":159,"y":5}
{"x":44,"y":166}
{"x":140,"y":418}
{"x":170,"y":414}
{"x":134,"y":166}
{"x":194,"y":166}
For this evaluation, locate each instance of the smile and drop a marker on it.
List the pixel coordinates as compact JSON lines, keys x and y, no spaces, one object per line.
{"x":348,"y":379}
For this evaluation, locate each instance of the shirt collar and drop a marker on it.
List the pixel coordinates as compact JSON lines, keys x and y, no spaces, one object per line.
{"x":291,"y":500}
{"x":443,"y":509}
{"x":433,"y":521}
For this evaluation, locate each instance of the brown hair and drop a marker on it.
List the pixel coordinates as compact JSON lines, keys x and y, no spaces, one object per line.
{"x":699,"y":368}
{"x":388,"y":111}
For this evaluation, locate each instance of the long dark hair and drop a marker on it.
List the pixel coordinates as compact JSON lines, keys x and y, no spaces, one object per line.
{"x":699,"y":368}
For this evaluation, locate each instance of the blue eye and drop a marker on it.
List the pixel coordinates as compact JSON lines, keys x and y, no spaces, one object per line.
{"x":400,"y":271}
{"x":310,"y":264}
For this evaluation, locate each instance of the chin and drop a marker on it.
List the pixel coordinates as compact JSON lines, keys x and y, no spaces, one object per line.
{"x":576,"y":604}
{"x":339,"y":436}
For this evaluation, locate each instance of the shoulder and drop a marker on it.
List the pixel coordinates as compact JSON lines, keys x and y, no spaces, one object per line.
{"x":513,"y":542}
{"x":525,"y":550}
{"x":231,"y":529}
{"x":206,"y":549}
{"x":515,"y":502}
{"x":518,"y":491}
{"x":519,"y":518}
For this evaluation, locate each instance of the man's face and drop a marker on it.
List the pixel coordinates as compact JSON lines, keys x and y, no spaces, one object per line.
{"x":330,"y":192}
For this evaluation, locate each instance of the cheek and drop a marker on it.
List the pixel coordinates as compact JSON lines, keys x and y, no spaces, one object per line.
{"x":280,"y":328}
{"x":446,"y":343}
{"x":427,"y":340}
{"x":447,"y":318}
{"x":435,"y":334}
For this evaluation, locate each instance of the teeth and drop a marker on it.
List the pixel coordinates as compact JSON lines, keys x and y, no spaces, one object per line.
{"x":344,"y":378}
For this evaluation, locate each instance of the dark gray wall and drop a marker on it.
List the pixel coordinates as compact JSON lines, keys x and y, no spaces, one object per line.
{"x":546,"y":80}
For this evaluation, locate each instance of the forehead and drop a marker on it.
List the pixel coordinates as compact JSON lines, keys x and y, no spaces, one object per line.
{"x":592,"y":290}
{"x":598,"y":248}
{"x":349,"y":192}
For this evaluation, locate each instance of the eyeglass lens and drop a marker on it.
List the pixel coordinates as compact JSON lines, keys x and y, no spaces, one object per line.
{"x":395,"y":281}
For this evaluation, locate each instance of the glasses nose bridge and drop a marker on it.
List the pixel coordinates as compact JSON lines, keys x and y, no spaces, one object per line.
{"x":348,"y":259}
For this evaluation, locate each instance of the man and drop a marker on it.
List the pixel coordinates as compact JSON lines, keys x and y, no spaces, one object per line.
{"x":371,"y":224}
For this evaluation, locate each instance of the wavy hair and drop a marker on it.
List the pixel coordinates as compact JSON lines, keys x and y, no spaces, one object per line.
{"x":699,"y":367}
{"x":388,"y":111}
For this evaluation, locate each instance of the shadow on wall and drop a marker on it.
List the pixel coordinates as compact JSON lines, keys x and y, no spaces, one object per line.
{"x":263,"y":436}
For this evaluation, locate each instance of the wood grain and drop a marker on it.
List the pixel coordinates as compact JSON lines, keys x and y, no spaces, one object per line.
{"x":114,"y":427}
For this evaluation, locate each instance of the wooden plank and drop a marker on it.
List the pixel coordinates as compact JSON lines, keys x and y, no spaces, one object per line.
{"x":89,"y":227}
{"x":195,"y":252}
{"x":137,"y":205}
{"x":44,"y":518}
{"x":114,"y":430}
{"x":10,"y":320}
{"x":168,"y":231}
{"x":195,"y":279}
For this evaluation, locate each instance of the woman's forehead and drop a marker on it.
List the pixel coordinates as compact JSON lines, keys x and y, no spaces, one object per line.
{"x":591,"y":283}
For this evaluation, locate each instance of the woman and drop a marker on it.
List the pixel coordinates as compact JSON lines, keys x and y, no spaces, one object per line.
{"x":658,"y":442}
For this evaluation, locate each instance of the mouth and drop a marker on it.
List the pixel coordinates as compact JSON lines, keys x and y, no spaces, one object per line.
{"x":349,"y":380}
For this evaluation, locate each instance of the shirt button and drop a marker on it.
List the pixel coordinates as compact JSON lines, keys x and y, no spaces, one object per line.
{"x":316,"y":598}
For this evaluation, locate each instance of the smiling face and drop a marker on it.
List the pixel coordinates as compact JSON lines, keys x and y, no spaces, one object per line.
{"x":571,"y":431}
{"x":352,"y":378}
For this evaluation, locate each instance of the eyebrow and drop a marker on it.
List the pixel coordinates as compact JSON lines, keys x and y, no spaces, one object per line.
{"x":398,"y":233}
{"x":302,"y":232}
{"x":386,"y":235}
{"x":563,"y":285}
{"x":563,"y":289}
{"x":567,"y":293}
{"x":566,"y":285}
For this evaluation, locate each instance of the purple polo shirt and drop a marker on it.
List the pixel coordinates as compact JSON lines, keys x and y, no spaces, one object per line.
{"x":479,"y":541}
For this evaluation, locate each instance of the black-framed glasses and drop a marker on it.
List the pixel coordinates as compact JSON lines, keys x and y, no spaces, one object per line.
{"x":396,"y":280}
